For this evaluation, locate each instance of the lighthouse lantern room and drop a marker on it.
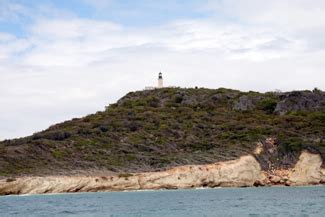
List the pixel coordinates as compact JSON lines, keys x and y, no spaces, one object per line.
{"x":160,"y":80}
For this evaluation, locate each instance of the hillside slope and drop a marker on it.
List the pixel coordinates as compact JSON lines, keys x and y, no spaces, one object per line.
{"x":162,"y":128}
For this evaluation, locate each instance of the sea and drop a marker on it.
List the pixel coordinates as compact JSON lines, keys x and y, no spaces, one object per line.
{"x":267,"y":201}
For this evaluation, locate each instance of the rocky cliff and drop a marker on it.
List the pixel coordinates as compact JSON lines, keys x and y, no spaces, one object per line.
{"x":243,"y":172}
{"x":308,"y":170}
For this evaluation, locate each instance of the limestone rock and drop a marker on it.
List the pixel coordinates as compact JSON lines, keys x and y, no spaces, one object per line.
{"x":61,"y":184}
{"x":259,"y":149}
{"x":275,"y":179}
{"x":322,"y":176}
{"x":237,"y":173}
{"x":243,"y":172}
{"x":307,"y":170}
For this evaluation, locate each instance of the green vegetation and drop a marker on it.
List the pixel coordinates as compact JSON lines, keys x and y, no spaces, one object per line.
{"x":125,"y":175}
{"x":58,"y":154}
{"x":151,"y":130}
{"x":10,"y":179}
{"x":268,"y":105}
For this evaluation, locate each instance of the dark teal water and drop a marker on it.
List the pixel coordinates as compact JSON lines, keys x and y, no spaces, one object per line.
{"x":276,"y":201}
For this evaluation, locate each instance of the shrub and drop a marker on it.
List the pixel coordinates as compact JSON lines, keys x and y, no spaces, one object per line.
{"x":58,"y":154}
{"x":83,"y":131}
{"x":133,"y":126}
{"x":103,"y":128}
{"x":140,"y":102}
{"x":53,"y":135}
{"x":125,"y":175}
{"x":178,"y":99}
{"x":10,"y":179}
{"x":317,"y":116}
{"x":292,"y":144}
{"x":267,"y":105}
{"x":153,"y":102}
{"x":316,"y":90}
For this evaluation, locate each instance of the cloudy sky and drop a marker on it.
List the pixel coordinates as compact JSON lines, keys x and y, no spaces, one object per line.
{"x":61,"y":59}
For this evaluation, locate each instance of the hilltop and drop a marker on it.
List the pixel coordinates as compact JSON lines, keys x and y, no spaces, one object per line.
{"x":157,"y":129}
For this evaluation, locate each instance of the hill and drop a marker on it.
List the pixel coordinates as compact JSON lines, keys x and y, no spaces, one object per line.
{"x":156,"y":129}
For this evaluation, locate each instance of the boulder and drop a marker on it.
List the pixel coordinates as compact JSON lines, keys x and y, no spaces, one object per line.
{"x":244,"y":103}
{"x":275,"y":179}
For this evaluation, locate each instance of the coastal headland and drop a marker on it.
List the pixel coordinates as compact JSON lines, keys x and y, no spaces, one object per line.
{"x":174,"y":138}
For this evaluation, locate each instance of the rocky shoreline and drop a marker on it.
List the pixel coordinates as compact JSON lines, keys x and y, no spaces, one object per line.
{"x":243,"y":172}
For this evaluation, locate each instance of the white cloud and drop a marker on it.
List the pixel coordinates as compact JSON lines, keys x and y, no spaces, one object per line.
{"x":291,"y":14}
{"x":71,"y":67}
{"x":11,"y":11}
{"x":5,"y":37}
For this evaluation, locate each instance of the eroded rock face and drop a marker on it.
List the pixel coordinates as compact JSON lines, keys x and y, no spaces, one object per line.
{"x":62,"y":184}
{"x":237,"y":173}
{"x":243,"y":172}
{"x":322,"y":181}
{"x":301,"y":101}
{"x":307,"y":170}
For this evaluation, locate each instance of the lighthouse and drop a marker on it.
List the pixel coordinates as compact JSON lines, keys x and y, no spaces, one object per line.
{"x":160,"y":80}
{"x":160,"y":83}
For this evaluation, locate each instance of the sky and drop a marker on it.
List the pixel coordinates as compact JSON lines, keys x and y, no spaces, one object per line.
{"x":61,"y":59}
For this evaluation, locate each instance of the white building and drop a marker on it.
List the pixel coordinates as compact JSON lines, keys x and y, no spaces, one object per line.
{"x":160,"y":83}
{"x":160,"y":80}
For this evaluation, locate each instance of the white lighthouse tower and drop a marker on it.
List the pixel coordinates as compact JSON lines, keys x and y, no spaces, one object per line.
{"x":160,"y":80}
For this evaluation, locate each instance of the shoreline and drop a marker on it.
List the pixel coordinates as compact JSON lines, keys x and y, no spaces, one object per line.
{"x":243,"y":172}
{"x":159,"y":190}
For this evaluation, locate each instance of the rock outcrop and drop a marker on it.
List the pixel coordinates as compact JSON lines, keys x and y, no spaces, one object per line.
{"x":244,"y":103}
{"x":307,"y":170}
{"x":243,"y":172}
{"x":237,"y":173}
{"x":295,"y":101}
{"x":301,"y":101}
{"x":322,"y":181}
{"x":67,"y":184}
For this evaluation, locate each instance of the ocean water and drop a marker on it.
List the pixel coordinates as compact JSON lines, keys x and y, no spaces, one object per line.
{"x":274,"y":201}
